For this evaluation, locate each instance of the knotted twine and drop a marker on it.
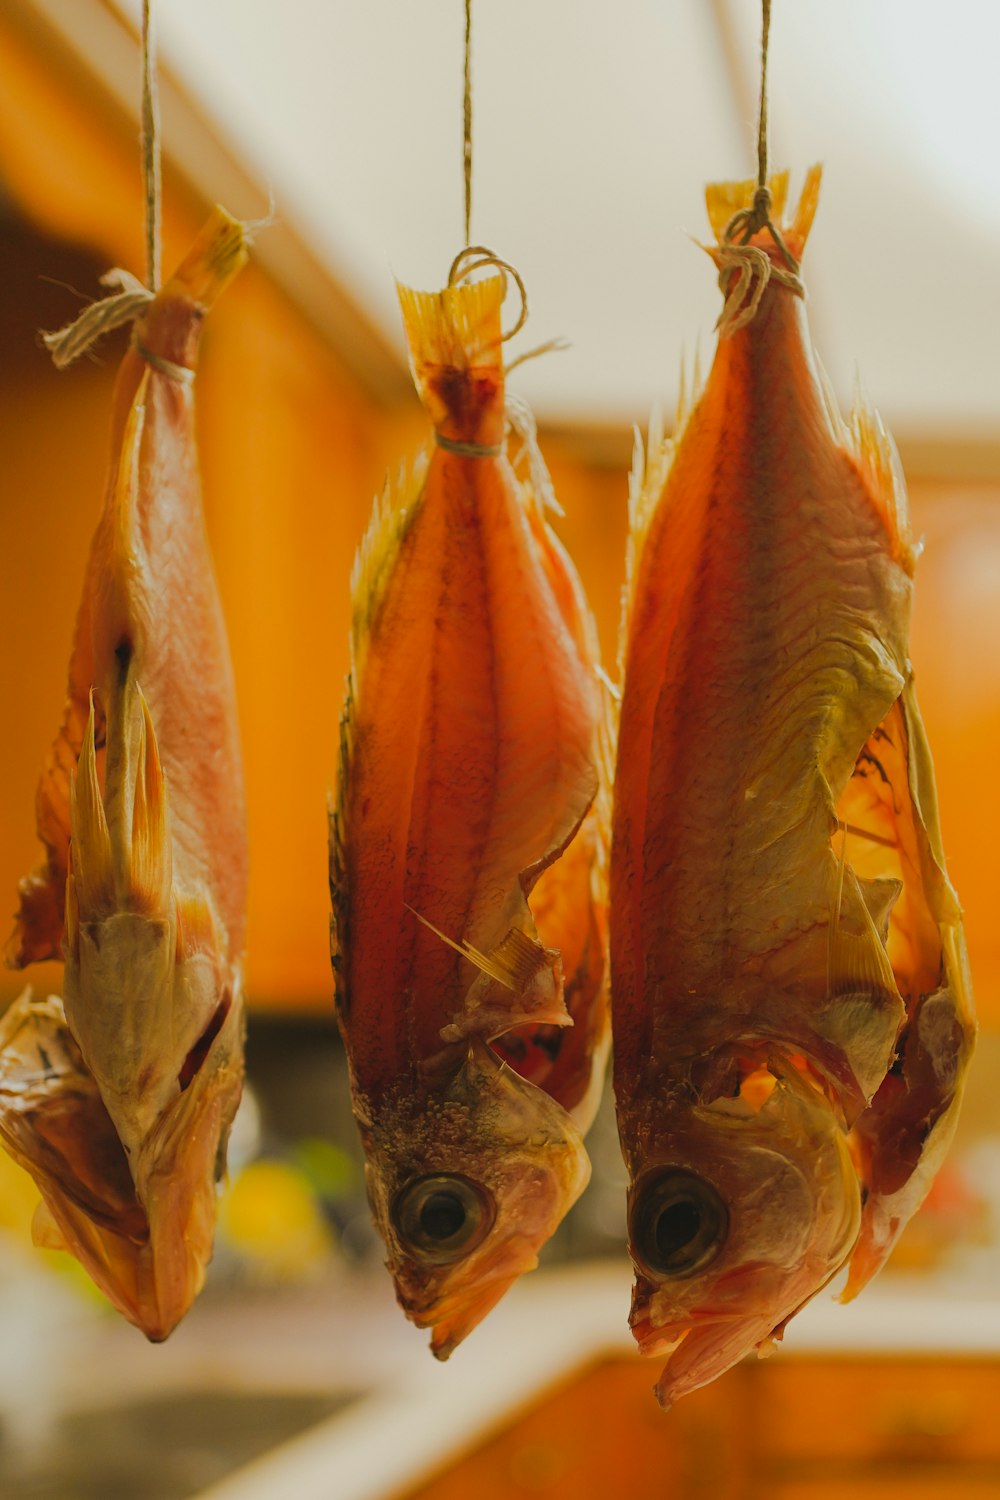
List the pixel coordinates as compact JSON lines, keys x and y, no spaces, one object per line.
{"x":745,"y":269}
{"x":127,"y":303}
{"x":517,"y":412}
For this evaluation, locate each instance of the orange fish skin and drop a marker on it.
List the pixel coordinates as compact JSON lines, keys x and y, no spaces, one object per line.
{"x":765,"y":641}
{"x":469,"y":764}
{"x":142,"y":814}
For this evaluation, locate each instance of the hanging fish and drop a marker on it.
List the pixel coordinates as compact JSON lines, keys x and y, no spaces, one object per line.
{"x":120,"y":1099}
{"x":772,"y":974}
{"x":465,"y":853}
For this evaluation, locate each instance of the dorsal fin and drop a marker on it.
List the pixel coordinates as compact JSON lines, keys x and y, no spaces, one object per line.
{"x":872,"y":446}
{"x":392,"y":513}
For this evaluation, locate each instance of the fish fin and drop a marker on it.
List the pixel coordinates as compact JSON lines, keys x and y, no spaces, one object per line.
{"x":880,"y":895}
{"x":92,"y":866}
{"x":513,"y":962}
{"x":151,"y":863}
{"x":858,"y":960}
{"x":647,"y":479}
{"x":872,"y":446}
{"x":808,"y":203}
{"x":135,"y":805}
{"x":198,"y":927}
{"x":650,"y":466}
{"x":457,"y":328}
{"x":45,"y":1232}
{"x":39,"y":927}
{"x":393,"y":511}
{"x":724,"y":199}
{"x":839,"y":429}
{"x":864,"y":1011}
{"x":337,"y":847}
{"x":528,"y":971}
{"x":536,"y":488}
{"x":520,"y":957}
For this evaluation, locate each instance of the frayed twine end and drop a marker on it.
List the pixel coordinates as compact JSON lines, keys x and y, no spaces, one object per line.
{"x":76,"y":338}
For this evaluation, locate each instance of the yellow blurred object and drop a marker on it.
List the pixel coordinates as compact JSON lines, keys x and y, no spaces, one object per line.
{"x":18,"y":1200}
{"x":270,"y":1217}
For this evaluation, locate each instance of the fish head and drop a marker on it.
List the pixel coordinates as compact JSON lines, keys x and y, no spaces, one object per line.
{"x":466,"y":1191}
{"x":743,"y":1207}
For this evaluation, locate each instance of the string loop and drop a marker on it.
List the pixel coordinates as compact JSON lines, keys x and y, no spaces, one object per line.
{"x":478,"y":258}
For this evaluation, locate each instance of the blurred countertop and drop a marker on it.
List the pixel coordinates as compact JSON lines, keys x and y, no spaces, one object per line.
{"x":419,"y":1411}
{"x":404,"y":1413}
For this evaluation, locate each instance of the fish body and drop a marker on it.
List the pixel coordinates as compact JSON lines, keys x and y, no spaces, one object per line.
{"x":756,"y":1008}
{"x":143,"y":888}
{"x":468,"y":775}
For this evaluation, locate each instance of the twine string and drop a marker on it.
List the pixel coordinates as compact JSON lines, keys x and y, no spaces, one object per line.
{"x":127,"y":302}
{"x":467,"y":122}
{"x":746,"y":269}
{"x":151,"y":148}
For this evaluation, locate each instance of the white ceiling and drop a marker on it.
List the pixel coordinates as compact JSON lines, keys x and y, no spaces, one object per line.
{"x":596,"y":125}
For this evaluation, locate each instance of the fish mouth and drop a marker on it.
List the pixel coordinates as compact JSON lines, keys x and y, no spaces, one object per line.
{"x":701,"y":1351}
{"x":454,"y":1320}
{"x":662,"y":1329}
{"x":452,"y":1313}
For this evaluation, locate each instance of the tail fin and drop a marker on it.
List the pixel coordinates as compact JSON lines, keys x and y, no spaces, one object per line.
{"x":456,"y":356}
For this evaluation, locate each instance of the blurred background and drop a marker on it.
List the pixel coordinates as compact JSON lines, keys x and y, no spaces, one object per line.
{"x":596,"y":127}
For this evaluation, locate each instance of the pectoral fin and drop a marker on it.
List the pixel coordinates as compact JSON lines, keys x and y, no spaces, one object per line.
{"x":863,"y":1012}
{"x":519,"y":982}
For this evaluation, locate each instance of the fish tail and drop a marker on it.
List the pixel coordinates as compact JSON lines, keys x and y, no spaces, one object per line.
{"x":724,"y":200}
{"x":459,"y":326}
{"x":217,"y":255}
{"x":456,"y":357}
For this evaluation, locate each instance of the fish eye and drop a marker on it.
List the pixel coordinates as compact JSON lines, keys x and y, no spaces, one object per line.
{"x":678,"y":1223}
{"x":440,"y":1219}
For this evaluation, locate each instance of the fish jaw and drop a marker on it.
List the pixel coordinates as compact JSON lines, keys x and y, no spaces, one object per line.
{"x":517,"y":1158}
{"x":778,"y":1174}
{"x":54,"y":1125}
{"x":179,"y":1167}
{"x":146,"y":1247}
